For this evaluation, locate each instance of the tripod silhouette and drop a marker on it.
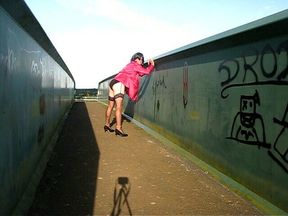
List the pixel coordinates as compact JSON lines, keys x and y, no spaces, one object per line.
{"x":121,"y":192}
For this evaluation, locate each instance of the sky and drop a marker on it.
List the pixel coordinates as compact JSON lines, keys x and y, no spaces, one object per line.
{"x":96,"y":38}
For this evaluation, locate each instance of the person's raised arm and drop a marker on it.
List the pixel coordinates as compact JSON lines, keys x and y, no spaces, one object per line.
{"x":144,"y":71}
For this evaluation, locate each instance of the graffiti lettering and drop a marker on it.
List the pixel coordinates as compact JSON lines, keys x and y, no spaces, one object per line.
{"x":250,"y":66}
{"x":283,"y":46}
{"x":224,"y":67}
{"x":279,"y":152}
{"x":259,"y":68}
{"x":268,"y":70}
{"x":11,"y":64}
{"x":34,"y":67}
{"x":268,"y":49}
{"x":160,"y":82}
{"x":157,"y":83}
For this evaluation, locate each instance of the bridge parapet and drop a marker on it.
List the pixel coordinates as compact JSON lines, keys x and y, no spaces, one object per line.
{"x":225,"y":99}
{"x":36,"y":90}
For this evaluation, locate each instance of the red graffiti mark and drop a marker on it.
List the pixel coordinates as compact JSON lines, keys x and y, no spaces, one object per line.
{"x":185,"y":84}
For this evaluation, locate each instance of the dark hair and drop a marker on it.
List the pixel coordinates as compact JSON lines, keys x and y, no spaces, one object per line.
{"x":137,"y":55}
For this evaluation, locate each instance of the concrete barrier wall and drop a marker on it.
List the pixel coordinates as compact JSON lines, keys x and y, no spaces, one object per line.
{"x":225,"y":100}
{"x":36,"y":90}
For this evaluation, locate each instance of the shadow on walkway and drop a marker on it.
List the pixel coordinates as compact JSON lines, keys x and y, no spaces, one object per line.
{"x":120,"y":196}
{"x":135,"y":175}
{"x":69,"y":183}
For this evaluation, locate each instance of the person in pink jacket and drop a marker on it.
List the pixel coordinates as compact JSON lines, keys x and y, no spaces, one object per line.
{"x":126,"y":81}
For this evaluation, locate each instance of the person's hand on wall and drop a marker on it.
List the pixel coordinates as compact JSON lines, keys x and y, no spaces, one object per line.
{"x":151,"y":61}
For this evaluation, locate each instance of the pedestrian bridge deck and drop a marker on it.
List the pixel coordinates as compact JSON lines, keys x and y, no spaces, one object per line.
{"x":95,"y":173}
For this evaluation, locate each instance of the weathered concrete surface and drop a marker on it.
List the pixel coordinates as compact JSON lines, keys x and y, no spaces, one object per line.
{"x":82,"y":177}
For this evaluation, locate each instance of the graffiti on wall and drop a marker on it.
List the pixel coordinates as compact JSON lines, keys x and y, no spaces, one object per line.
{"x":37,"y":68}
{"x":185,"y":84}
{"x":158,"y":83}
{"x":248,"y":125}
{"x":260,"y":68}
{"x":279,"y":152}
{"x":275,"y":76}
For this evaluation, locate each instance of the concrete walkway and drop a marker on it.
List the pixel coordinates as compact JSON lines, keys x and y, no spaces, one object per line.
{"x":95,"y":173}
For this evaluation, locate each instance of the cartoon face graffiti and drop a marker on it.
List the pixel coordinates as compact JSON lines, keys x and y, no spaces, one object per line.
{"x":248,"y":125}
{"x":248,"y":109}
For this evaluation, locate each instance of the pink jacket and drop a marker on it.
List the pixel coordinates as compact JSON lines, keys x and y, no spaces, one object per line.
{"x":129,"y":76}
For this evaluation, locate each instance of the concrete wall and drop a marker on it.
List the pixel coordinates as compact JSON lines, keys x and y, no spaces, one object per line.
{"x":225,"y":100}
{"x":36,"y":90}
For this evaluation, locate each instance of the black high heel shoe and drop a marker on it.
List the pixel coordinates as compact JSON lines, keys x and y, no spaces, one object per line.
{"x":121,"y":134}
{"x":106,"y":128}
